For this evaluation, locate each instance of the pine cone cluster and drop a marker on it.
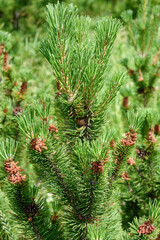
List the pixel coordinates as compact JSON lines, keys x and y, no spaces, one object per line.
{"x":23,"y":88}
{"x":38,"y":144}
{"x":146,"y":228}
{"x":14,"y":172}
{"x":130,"y":139}
{"x":17,"y":110}
{"x":97,"y":167}
{"x":52,"y":128}
{"x":125,"y":176}
{"x":31,"y":210}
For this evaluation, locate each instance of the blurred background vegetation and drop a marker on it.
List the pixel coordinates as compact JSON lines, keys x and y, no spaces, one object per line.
{"x":28,"y":15}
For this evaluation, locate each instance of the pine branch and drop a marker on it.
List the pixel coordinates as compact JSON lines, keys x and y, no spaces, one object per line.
{"x":5,"y":228}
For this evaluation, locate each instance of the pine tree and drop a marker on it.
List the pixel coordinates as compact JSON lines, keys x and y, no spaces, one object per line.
{"x":68,"y":146}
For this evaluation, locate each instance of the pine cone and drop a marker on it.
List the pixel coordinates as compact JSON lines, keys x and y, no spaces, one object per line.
{"x":125,"y":102}
{"x":37,"y":144}
{"x":97,"y":167}
{"x":13,"y":170}
{"x":11,"y":167}
{"x":31,"y":210}
{"x":157,"y":128}
{"x":17,"y":111}
{"x":52,"y":128}
{"x":130,"y":139}
{"x":146,"y":228}
{"x":17,"y":178}
{"x":23,"y":88}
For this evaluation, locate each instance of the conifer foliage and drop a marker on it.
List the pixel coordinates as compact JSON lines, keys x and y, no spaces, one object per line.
{"x":68,"y":147}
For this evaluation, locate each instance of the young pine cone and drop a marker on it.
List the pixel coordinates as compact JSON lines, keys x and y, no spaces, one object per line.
{"x":38,"y":144}
{"x":17,"y":178}
{"x":31,"y":210}
{"x":130,"y":139}
{"x":97,"y":167}
{"x":17,"y":111}
{"x":146,"y":228}
{"x":14,"y":172}
{"x":23,"y":88}
{"x":11,"y":167}
{"x":157,"y":128}
{"x":52,"y":128}
{"x":125,"y":102}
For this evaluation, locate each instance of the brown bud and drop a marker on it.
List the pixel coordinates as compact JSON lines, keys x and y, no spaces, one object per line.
{"x":157,"y":128}
{"x":23,"y":88}
{"x":5,"y":110}
{"x":125,"y":102}
{"x":55,"y":217}
{"x":112,"y":143}
{"x":140,"y":78}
